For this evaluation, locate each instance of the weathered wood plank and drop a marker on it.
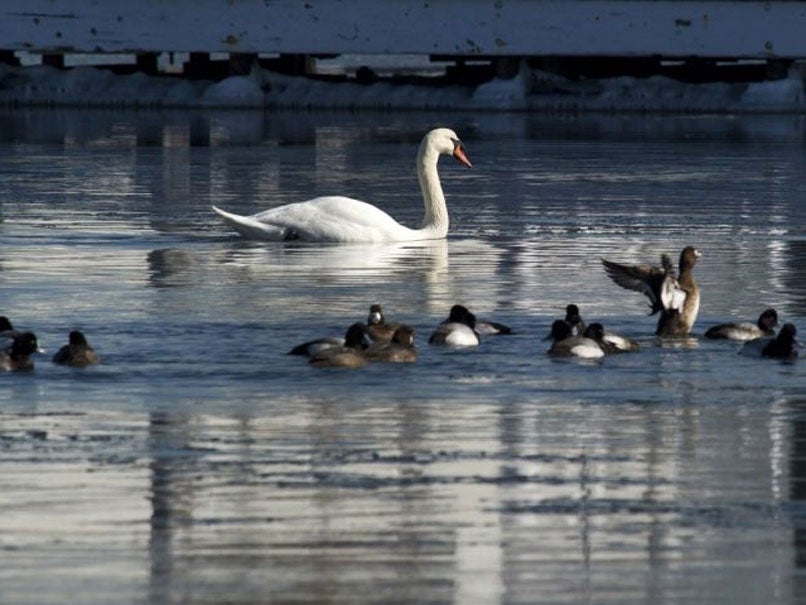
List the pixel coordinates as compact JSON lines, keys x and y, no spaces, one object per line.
{"x":436,"y":27}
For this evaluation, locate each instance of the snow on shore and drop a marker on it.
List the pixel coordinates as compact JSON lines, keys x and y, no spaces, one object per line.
{"x":528,"y":90}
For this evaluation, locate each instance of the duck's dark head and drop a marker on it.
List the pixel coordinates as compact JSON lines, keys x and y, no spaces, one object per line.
{"x":77,"y":339}
{"x":461,"y":314}
{"x":357,"y":336}
{"x":788,"y":333}
{"x":689,"y":257}
{"x":404,"y":335}
{"x":575,"y":321}
{"x":375,"y":315}
{"x":24,"y":344}
{"x":560,"y":330}
{"x":768,"y":319}
{"x":571,"y":311}
{"x":595,"y":331}
{"x":785,"y":345}
{"x":458,"y":313}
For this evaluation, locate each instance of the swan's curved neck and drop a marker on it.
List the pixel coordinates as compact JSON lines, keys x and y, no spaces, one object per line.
{"x":436,"y":211}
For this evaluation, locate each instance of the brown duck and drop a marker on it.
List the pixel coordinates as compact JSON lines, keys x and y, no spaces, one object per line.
{"x":675,"y":297}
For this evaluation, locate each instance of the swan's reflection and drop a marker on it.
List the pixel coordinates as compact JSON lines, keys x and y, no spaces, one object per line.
{"x":339,"y":260}
{"x":431,"y":274}
{"x":448,"y":271}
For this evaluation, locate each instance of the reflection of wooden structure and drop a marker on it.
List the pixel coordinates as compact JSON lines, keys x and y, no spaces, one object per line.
{"x":489,"y":30}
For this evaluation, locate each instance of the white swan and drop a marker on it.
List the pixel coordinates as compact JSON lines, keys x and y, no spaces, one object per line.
{"x":343,"y":219}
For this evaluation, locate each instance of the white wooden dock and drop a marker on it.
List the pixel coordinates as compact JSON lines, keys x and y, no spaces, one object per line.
{"x":456,"y":28}
{"x":483,"y":38}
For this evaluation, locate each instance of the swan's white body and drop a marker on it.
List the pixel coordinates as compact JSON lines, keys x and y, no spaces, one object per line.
{"x":343,"y":219}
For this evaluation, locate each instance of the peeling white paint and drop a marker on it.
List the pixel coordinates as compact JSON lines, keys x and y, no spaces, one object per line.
{"x":450,"y":27}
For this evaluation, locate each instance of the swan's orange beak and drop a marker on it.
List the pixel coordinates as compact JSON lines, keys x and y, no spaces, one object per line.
{"x":459,"y":154}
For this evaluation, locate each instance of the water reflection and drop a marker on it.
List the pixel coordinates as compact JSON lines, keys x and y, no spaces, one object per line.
{"x":436,"y":273}
{"x":172,"y":501}
{"x":797,"y":480}
{"x":249,"y":127}
{"x":331,"y":499}
{"x":492,"y":475}
{"x":536,"y":211}
{"x":796,"y":409}
{"x":793,"y":274}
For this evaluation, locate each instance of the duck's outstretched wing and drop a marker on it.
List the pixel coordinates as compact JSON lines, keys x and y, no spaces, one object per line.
{"x":646,"y":279}
{"x":666,"y":265}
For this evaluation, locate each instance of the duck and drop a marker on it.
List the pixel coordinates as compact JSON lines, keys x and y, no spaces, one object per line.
{"x":574,"y":319}
{"x":618,"y":343}
{"x":744,"y":331}
{"x":566,"y":344}
{"x":400,"y":349}
{"x":77,"y":352}
{"x":312,"y":347}
{"x":459,"y":330}
{"x":7,"y":333}
{"x":782,"y":346}
{"x":491,"y":328}
{"x":350,"y":355}
{"x":5,"y":325}
{"x":379,"y":329}
{"x":675,"y":297}
{"x":610,"y":341}
{"x":18,"y":357}
{"x":347,"y":220}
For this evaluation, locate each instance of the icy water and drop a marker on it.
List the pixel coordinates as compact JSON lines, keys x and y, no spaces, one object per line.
{"x":200,"y":464}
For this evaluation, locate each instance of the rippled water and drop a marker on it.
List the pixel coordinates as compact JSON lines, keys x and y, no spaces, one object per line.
{"x":200,"y":464}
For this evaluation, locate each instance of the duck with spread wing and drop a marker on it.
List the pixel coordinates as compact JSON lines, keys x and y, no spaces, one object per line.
{"x":675,"y":296}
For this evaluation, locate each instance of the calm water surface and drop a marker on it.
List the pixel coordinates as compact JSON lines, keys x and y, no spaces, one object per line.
{"x":200,"y":464}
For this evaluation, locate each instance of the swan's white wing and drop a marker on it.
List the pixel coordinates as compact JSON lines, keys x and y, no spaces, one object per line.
{"x":323,"y":219}
{"x":336,"y":219}
{"x":248,"y":227}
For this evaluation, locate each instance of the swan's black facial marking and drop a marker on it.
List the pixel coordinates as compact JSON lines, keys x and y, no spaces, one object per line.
{"x":459,"y":153}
